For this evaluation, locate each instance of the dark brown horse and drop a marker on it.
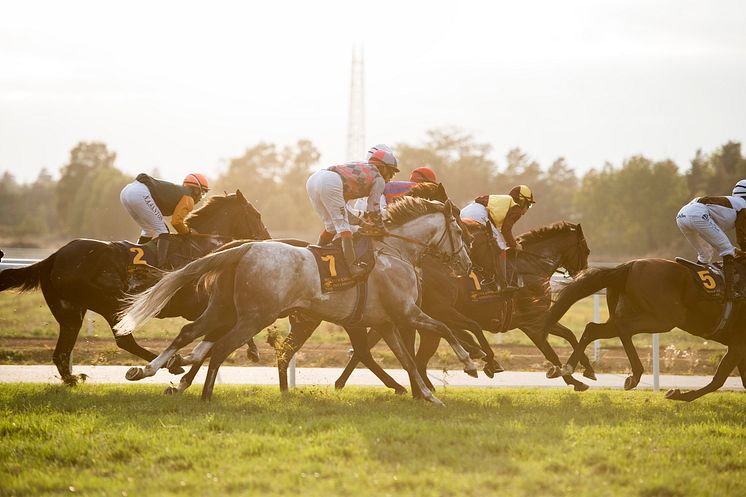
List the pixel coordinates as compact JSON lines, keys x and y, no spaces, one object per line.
{"x":654,"y":296}
{"x":545,"y":250}
{"x":93,"y":275}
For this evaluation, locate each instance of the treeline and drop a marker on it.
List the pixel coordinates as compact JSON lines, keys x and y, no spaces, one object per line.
{"x":627,"y":210}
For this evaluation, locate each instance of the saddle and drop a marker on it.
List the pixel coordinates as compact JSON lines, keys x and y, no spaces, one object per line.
{"x":482,"y":290}
{"x":333,"y":270}
{"x":168,"y":251}
{"x":708,"y":278}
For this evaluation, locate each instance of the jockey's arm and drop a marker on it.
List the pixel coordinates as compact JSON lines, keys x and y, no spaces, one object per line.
{"x":181,"y":211}
{"x":374,"y":197}
{"x":513,"y":215}
{"x":741,"y":229}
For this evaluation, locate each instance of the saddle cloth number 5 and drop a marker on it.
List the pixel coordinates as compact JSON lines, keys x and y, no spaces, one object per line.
{"x":707,"y":280}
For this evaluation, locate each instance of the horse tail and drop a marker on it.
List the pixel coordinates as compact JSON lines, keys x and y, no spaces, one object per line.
{"x":25,"y":278}
{"x":587,"y":283}
{"x":147,"y":304}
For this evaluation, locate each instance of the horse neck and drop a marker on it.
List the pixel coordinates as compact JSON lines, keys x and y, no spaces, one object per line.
{"x":424,"y":229}
{"x":215,"y":224}
{"x":541,"y":257}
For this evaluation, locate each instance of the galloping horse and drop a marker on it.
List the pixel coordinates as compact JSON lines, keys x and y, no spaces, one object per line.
{"x":545,"y":250}
{"x":92,"y":275}
{"x":273,"y":279}
{"x":654,"y":296}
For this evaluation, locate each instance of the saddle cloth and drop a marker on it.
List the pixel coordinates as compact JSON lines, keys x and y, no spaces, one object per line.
{"x":333,"y":271}
{"x":708,"y":278}
{"x":479,"y":290}
{"x":168,"y":251}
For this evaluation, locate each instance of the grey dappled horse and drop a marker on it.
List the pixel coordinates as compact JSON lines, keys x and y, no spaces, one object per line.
{"x":272,"y":279}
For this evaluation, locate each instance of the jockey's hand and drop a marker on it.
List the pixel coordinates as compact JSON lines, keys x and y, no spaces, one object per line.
{"x":518,"y":247}
{"x":372,"y":223}
{"x":739,"y":254}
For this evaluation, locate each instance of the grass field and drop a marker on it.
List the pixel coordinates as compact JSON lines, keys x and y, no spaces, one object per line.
{"x":130,"y":441}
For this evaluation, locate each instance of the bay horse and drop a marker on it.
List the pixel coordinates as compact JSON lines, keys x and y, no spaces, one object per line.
{"x":93,"y":275}
{"x":654,"y":296}
{"x":273,"y":279}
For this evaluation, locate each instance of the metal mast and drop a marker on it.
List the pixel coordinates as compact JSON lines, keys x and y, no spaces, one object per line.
{"x":356,"y":116}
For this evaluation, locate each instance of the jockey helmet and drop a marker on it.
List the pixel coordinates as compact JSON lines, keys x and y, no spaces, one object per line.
{"x":382,"y":155}
{"x":522,"y":195}
{"x":197,"y":180}
{"x":740,"y":188}
{"x":423,"y":175}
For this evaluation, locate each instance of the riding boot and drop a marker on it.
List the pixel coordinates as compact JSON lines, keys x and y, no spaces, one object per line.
{"x":162,"y":258}
{"x":143,"y":239}
{"x":348,"y":250}
{"x":502,"y":273}
{"x":729,"y":263}
{"x":326,"y":237}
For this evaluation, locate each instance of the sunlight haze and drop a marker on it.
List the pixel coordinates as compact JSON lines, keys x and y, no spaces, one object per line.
{"x":184,"y":86}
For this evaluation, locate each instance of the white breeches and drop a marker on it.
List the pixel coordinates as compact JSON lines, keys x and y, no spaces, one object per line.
{"x":136,"y":198}
{"x":703,"y":233}
{"x":478,"y":212}
{"x":327,"y":198}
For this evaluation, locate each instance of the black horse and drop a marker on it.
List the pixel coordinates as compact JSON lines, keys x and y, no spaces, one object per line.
{"x":94,"y":275}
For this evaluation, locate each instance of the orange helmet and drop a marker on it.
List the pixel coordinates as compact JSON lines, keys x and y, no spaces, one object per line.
{"x":197,"y":180}
{"x":423,"y":174}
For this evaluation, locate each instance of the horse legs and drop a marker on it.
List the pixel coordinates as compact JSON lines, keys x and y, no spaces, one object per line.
{"x":563,"y":332}
{"x":243,"y":331}
{"x":423,"y":322}
{"x":391,"y":336}
{"x":633,"y":380}
{"x":732,"y":358}
{"x":362,"y":348}
{"x":373,"y":338}
{"x":300,"y":331}
{"x":428,"y":346}
{"x":742,"y":371}
{"x":70,"y":321}
{"x":491,"y":365}
{"x":593,"y":331}
{"x":540,"y":340}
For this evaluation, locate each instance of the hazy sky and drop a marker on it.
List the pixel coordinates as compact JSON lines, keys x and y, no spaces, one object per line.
{"x":184,"y":86}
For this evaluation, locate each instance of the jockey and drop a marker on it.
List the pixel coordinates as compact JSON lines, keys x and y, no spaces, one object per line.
{"x":704,"y":220}
{"x":148,"y":199}
{"x":396,"y":189}
{"x":329,"y":190}
{"x":501,"y":212}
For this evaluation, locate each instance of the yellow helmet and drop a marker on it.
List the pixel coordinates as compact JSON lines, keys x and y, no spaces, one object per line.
{"x":522,"y":195}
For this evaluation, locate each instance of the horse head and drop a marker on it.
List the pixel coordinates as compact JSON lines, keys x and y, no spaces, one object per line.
{"x":229,"y":215}
{"x":563,"y":243}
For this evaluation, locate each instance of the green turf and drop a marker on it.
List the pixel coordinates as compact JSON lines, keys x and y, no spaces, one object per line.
{"x":130,"y":440}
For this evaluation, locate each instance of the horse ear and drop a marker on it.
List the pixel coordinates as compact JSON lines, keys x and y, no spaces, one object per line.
{"x":449,"y":208}
{"x":240,"y":196}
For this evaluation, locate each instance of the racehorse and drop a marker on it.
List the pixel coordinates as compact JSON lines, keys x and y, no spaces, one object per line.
{"x":93,"y":275}
{"x":273,"y":279}
{"x":544,"y":251}
{"x":654,"y":296}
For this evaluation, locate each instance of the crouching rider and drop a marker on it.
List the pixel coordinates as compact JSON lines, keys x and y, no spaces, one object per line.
{"x":330,"y":189}
{"x":500,"y":213}
{"x":704,"y":221}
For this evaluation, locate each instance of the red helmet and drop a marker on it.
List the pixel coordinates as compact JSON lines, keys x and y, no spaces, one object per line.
{"x":423,"y":175}
{"x":197,"y":180}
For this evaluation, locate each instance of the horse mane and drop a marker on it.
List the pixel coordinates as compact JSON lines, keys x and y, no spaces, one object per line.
{"x":424,"y":190}
{"x":214,"y":203}
{"x":407,"y":208}
{"x":541,"y":234}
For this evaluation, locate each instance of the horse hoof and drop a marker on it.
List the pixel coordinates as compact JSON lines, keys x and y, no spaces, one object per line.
{"x":590,"y":374}
{"x":566,"y":370}
{"x":134,"y":374}
{"x":338,"y":385}
{"x":673,"y":394}
{"x":176,"y":370}
{"x":630,"y":382}
{"x":472,"y":372}
{"x":400,"y":391}
{"x":252,"y":355}
{"x":435,"y":400}
{"x":171,"y":391}
{"x":489,"y":372}
{"x":554,"y":372}
{"x":581,"y":387}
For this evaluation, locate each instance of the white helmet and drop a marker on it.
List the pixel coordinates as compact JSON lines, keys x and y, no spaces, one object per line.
{"x":383,"y":155}
{"x":740,"y":188}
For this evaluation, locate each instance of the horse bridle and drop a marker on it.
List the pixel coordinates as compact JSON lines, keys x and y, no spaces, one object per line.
{"x":431,"y":249}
